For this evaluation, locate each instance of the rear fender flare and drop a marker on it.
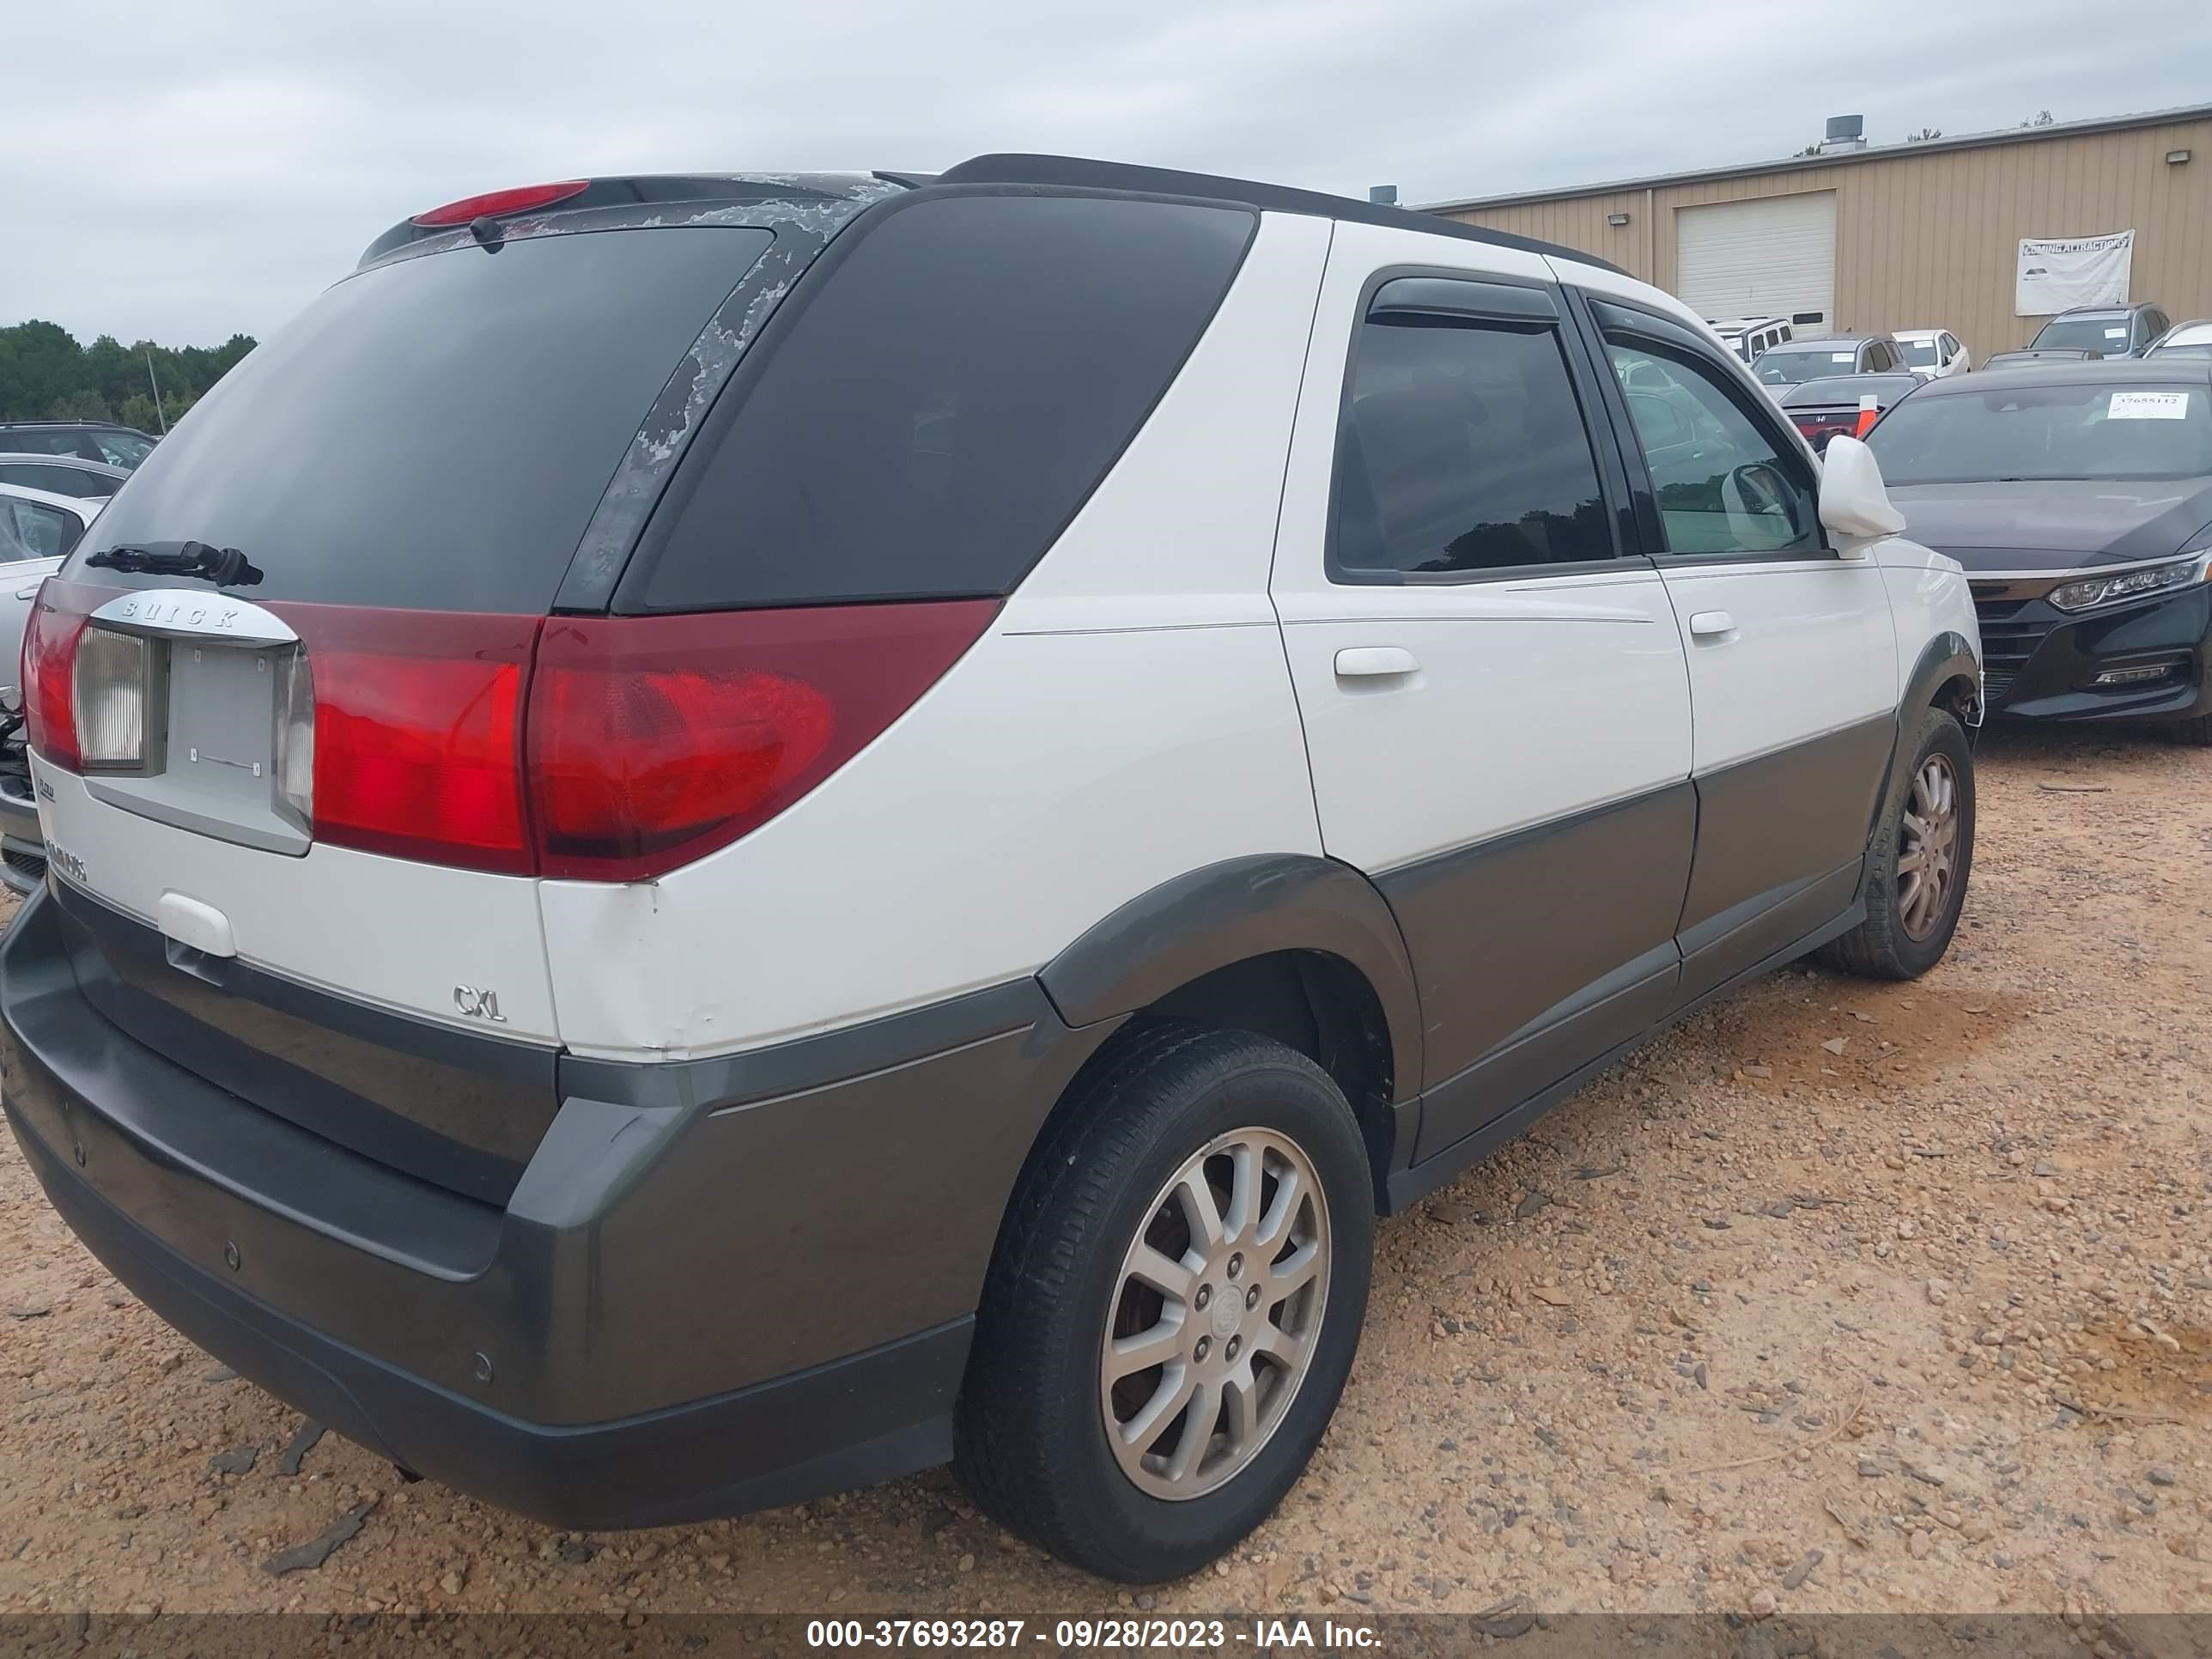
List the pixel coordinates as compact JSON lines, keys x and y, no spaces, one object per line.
{"x":1230,"y":912}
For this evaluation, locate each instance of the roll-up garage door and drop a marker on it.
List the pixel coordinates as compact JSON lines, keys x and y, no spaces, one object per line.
{"x":1774,"y":256}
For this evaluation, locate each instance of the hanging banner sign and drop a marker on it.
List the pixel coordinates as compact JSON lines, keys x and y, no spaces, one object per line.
{"x":2058,"y":274}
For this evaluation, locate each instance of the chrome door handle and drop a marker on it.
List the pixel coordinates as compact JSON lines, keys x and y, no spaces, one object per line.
{"x":1375,"y":661}
{"x":1707,"y":625}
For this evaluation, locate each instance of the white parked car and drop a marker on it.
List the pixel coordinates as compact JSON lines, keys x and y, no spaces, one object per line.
{"x":2190,"y":339}
{"x":42,"y":524}
{"x":1933,"y":353}
{"x":865,"y":876}
{"x":1748,"y":337}
{"x":91,"y":482}
{"x":37,"y":528}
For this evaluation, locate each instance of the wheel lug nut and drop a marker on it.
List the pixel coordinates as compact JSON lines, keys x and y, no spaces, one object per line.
{"x":1252,"y":1297}
{"x":1205,"y":1295}
{"x":1235,"y":1343}
{"x":1205,"y":1347}
{"x":1235,"y":1266}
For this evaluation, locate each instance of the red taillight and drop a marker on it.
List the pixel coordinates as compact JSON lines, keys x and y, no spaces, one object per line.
{"x":655,"y":739}
{"x":597,"y":749}
{"x":418,"y":732}
{"x":495,"y":203}
{"x":58,"y":619}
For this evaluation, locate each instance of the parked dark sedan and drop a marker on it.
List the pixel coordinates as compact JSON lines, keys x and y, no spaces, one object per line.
{"x":1848,"y":404}
{"x":2047,"y":353}
{"x":2110,"y":330}
{"x":92,"y":441}
{"x":2079,"y":498}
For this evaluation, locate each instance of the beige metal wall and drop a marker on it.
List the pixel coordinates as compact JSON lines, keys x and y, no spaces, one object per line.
{"x":1931,"y":241}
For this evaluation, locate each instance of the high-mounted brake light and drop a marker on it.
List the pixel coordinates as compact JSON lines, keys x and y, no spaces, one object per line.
{"x":493,"y":204}
{"x":1819,"y":429}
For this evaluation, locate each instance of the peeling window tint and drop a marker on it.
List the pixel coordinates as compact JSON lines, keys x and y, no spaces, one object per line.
{"x":950,"y":395}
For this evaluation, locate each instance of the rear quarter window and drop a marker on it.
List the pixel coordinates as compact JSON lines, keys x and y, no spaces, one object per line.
{"x":953,"y":387}
{"x":61,"y":480}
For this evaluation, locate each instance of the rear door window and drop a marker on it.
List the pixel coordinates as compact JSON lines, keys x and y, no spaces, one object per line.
{"x":435,"y":433}
{"x":949,"y":393}
{"x":31,"y":529}
{"x":1462,"y":449}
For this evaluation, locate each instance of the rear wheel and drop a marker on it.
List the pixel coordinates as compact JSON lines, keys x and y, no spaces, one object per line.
{"x":1917,"y":866}
{"x":1174,"y":1308}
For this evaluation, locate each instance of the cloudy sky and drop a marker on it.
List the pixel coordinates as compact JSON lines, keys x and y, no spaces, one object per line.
{"x":185,"y":170}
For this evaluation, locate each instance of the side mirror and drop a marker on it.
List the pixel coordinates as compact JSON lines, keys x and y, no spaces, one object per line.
{"x":1854,"y":503}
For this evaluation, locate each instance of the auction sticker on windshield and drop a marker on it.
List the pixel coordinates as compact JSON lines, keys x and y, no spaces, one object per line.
{"x":2149,"y":406}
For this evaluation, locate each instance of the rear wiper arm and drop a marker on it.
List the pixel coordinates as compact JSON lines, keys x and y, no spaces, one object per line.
{"x":226,"y":567}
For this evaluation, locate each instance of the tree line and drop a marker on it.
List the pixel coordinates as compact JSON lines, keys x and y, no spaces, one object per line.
{"x":45,"y":375}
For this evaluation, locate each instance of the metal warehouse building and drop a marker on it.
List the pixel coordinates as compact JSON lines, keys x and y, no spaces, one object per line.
{"x":1909,"y":235}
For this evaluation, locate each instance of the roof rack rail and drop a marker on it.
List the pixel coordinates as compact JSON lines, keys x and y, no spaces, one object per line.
{"x":1078,"y":172}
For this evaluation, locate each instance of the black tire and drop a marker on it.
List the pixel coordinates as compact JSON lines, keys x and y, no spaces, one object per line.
{"x":2194,"y":732}
{"x":1880,"y":947}
{"x":1029,"y":1437}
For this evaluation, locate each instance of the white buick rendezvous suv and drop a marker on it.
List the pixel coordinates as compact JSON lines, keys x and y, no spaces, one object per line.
{"x":717,"y":837}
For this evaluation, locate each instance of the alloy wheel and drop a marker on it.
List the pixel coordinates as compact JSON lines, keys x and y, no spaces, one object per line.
{"x":1928,"y":848}
{"x":1215,"y":1314}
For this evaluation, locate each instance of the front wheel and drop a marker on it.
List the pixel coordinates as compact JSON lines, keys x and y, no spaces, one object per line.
{"x":1917,"y":866}
{"x":1174,"y":1308}
{"x":2194,"y":732}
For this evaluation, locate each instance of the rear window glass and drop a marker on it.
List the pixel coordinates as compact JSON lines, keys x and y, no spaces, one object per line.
{"x":2074,"y":430}
{"x":1787,"y":365}
{"x":436,"y":432}
{"x":2106,"y":335}
{"x":949,"y":396}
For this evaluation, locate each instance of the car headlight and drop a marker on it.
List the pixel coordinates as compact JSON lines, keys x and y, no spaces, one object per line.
{"x":2091,"y":591}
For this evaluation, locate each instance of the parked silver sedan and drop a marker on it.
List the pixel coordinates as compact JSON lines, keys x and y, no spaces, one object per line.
{"x":61,"y":474}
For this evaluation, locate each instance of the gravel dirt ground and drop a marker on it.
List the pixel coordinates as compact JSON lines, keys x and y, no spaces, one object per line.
{"x":1841,"y":1297}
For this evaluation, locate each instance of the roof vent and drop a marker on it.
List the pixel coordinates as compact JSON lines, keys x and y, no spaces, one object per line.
{"x":1382,"y":195}
{"x":1845,"y":132}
